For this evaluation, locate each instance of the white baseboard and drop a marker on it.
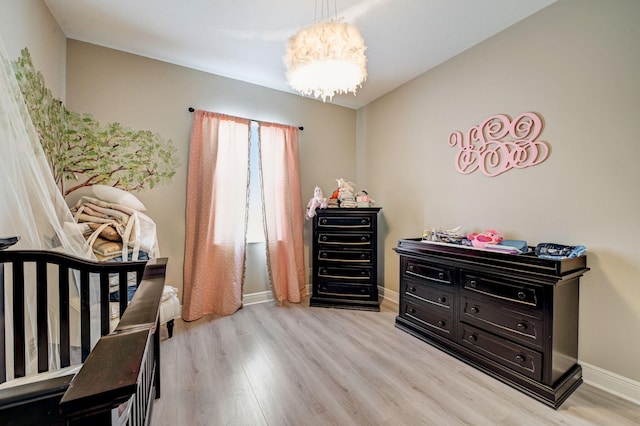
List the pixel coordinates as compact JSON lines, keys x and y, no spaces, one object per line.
{"x":262,"y":297}
{"x":259,"y":297}
{"x":611,"y":382}
{"x":389,"y":295}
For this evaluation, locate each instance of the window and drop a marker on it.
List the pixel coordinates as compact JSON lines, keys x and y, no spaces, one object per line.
{"x":255,"y":226}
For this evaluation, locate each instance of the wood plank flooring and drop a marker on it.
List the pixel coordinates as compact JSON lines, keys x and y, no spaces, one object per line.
{"x":297,"y":365}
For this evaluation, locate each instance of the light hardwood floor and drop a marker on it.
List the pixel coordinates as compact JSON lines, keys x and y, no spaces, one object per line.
{"x":297,"y":365}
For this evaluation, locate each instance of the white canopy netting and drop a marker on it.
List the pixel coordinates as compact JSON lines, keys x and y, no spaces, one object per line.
{"x":31,"y":205}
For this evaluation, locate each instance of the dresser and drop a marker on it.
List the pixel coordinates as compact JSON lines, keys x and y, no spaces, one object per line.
{"x":514,"y":317}
{"x":345,"y":258}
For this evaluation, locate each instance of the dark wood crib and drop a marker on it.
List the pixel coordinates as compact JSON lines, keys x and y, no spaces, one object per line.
{"x":119,"y":377}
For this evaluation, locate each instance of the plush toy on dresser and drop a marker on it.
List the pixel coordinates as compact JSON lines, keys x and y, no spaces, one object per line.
{"x":317,"y":201}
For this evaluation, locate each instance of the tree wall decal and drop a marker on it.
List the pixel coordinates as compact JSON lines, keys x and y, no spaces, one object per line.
{"x":82,"y":152}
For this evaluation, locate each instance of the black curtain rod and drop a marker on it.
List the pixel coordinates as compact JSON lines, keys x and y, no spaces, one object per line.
{"x":191,"y":109}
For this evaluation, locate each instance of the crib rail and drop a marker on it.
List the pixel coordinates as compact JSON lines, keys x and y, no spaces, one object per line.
{"x":119,"y":379}
{"x":100,"y":396}
{"x":21,"y":262}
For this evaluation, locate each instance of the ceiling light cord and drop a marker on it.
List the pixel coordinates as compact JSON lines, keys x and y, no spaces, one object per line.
{"x":325,"y":11}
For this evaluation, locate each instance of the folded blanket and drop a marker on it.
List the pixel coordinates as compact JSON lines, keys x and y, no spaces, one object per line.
{"x":558,"y":251}
{"x":348,"y":204}
{"x":136,"y":230}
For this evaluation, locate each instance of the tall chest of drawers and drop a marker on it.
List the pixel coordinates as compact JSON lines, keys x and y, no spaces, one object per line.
{"x":345,"y":258}
{"x":514,"y":317}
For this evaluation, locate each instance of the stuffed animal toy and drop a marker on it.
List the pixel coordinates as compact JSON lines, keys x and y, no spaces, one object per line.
{"x":487,"y":237}
{"x":345,"y":186}
{"x":317,"y":201}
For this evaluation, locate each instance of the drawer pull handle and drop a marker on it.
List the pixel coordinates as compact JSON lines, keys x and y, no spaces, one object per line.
{"x":324,"y":238}
{"x":363,"y":239}
{"x":411,"y":267}
{"x":442,"y":323}
{"x":441,"y":275}
{"x":521,"y":358}
{"x":522,"y":295}
{"x":363,"y":221}
{"x":522,"y":326}
{"x":473,"y":283}
{"x":324,"y":255}
{"x":363,"y":256}
{"x":412,"y":311}
{"x":474,"y":310}
{"x":442,"y":299}
{"x":473,"y":337}
{"x":412,"y":289}
{"x":324,"y":221}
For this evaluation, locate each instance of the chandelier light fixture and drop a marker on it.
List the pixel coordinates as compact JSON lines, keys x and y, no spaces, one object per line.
{"x":326,"y":58}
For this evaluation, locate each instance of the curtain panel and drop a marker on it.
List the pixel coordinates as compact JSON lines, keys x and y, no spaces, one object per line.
{"x":216,"y":215}
{"x":283,"y":211}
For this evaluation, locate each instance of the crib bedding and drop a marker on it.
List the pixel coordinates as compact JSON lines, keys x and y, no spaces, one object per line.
{"x":114,"y":230}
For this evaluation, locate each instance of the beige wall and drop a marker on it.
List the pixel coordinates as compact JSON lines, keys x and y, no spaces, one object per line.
{"x":577,"y":64}
{"x":148,"y":94}
{"x":28,"y":23}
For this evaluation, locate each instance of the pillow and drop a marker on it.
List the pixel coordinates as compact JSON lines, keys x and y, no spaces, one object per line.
{"x":73,"y":197}
{"x":114,"y":195}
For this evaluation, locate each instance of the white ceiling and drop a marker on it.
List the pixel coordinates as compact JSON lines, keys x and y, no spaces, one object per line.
{"x":246,"y":39}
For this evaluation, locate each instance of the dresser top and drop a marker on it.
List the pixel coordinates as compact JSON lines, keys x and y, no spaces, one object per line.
{"x":333,"y":210}
{"x":500,"y":262}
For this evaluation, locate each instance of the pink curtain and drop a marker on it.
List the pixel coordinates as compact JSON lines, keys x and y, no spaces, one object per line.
{"x":283,"y":212}
{"x":216,"y":216}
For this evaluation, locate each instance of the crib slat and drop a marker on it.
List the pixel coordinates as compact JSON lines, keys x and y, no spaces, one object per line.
{"x":85,"y":315}
{"x":18,"y":320}
{"x":104,"y":307}
{"x":42,"y":316}
{"x":123,"y":291}
{"x":63,"y":295}
{"x":3,"y":353}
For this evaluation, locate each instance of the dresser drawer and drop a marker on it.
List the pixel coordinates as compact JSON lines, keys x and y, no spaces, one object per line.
{"x":436,"y":295}
{"x":348,"y":222}
{"x":498,"y":319}
{"x":347,"y":256}
{"x":434,"y":274}
{"x":345,"y":290}
{"x":436,"y":320}
{"x":339,"y":273}
{"x":503,"y":289}
{"x":512,"y":355}
{"x":345,"y":239}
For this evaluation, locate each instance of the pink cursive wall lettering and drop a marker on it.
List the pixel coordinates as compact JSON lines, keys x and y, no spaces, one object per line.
{"x":499,"y":144}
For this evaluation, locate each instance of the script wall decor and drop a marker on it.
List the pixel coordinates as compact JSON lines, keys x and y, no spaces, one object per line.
{"x":499,"y":144}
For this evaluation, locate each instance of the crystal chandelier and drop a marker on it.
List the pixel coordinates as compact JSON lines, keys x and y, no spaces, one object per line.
{"x":325,"y":59}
